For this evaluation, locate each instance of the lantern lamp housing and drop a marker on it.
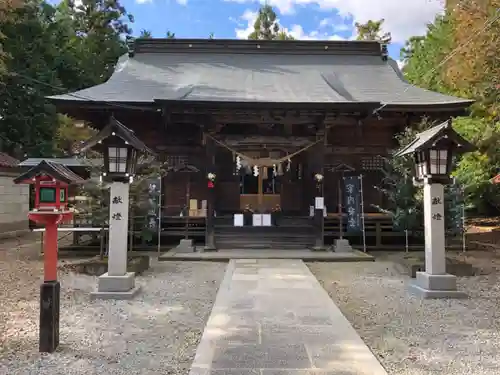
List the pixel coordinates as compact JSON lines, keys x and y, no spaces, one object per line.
{"x":433,"y":152}
{"x":120,"y":159}
{"x":51,"y":181}
{"x":121,"y":150}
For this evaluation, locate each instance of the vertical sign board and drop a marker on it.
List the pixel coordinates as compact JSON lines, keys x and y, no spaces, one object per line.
{"x":352,"y":198}
{"x":152,"y":222}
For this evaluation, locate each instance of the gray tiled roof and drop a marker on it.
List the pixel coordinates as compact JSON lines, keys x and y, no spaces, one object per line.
{"x":280,"y":77}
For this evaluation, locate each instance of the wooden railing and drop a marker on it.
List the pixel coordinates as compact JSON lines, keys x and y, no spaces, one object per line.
{"x":379,"y":231}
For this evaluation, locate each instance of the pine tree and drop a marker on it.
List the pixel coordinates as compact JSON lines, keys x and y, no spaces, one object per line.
{"x":266,"y":26}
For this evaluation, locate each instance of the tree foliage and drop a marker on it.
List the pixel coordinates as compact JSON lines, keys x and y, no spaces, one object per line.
{"x":372,"y":30}
{"x":50,"y":50}
{"x":404,"y":200}
{"x":266,"y":26}
{"x":459,"y":56}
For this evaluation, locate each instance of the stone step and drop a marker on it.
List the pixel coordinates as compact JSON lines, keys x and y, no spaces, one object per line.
{"x":222,"y":245}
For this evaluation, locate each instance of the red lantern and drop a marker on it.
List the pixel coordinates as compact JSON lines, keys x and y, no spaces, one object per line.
{"x":210,"y":185}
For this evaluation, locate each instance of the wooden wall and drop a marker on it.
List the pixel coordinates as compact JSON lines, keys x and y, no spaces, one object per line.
{"x":356,"y":144}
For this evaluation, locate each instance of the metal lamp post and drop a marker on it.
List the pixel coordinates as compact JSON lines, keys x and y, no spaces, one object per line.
{"x":121,"y":149}
{"x":433,"y":151}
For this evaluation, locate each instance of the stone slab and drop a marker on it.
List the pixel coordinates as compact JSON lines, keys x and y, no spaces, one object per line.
{"x":118,"y":284}
{"x":130,"y":294}
{"x":185,"y":246}
{"x":436,"y":294}
{"x":256,"y":254}
{"x":284,"y":322}
{"x":436,"y":282}
{"x":343,"y":246}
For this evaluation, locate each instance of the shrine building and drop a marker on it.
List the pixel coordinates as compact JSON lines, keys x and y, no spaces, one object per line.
{"x":265,"y":117}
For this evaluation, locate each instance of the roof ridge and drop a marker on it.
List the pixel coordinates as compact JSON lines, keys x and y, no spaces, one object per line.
{"x":165,"y":45}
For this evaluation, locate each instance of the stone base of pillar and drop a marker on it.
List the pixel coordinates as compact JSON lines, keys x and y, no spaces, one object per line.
{"x":209,"y":248}
{"x":436,"y":286}
{"x":116,"y":287}
{"x":185,"y":246}
{"x":342,"y":246}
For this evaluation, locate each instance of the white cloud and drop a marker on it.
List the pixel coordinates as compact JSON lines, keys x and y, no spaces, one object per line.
{"x":182,"y":2}
{"x":249,"y":18}
{"x":297,"y":31}
{"x":402,"y":18}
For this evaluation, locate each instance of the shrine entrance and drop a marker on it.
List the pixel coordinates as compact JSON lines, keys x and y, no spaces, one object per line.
{"x":260,"y":190}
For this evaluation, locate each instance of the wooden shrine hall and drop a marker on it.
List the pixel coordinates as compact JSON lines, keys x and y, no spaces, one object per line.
{"x":265,"y":118}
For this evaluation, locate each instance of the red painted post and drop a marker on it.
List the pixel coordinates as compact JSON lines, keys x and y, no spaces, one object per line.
{"x":50,"y":252}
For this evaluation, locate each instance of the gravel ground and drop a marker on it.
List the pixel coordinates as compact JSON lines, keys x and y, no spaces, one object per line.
{"x":415,"y":337}
{"x":156,"y":333}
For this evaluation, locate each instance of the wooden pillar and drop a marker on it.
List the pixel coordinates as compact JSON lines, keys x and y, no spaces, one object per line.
{"x":260,"y":190}
{"x":210,"y":168}
{"x":319,"y":199}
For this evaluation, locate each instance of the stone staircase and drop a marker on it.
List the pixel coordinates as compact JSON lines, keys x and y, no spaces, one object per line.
{"x":291,"y":233}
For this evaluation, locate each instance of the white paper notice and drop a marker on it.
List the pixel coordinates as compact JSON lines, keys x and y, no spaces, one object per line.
{"x":257,"y":220}
{"x":266,"y":220}
{"x":238,"y":220}
{"x":319,"y":203}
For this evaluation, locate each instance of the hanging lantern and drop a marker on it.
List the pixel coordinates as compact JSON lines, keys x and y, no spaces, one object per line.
{"x":255,"y":170}
{"x":211,"y":180}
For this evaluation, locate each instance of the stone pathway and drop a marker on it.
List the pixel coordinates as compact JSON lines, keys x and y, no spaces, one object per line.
{"x":272,"y":317}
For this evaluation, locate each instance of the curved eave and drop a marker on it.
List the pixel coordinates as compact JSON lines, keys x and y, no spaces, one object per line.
{"x":455,"y":107}
{"x":347,"y":106}
{"x":61,"y":102}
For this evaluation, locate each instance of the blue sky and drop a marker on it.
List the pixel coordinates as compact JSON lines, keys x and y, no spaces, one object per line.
{"x":304,"y":19}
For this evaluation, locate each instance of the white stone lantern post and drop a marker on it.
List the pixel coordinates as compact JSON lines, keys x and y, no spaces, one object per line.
{"x":120,"y":148}
{"x":433,"y":151}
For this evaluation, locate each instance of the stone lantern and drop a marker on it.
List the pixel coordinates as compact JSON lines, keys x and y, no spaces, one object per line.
{"x":121,"y":150}
{"x":433,"y":152}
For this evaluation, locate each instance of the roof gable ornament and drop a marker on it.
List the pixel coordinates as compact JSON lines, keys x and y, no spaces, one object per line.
{"x":131,"y":46}
{"x":384,"y":51}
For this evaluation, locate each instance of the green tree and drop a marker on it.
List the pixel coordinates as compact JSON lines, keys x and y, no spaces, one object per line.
{"x":99,"y":28}
{"x":170,"y":35}
{"x":27,"y":123}
{"x":51,"y":50}
{"x":373,"y":30}
{"x":145,"y":34}
{"x":439,"y":62}
{"x":7,"y":8}
{"x":266,"y":26}
{"x":402,"y":199}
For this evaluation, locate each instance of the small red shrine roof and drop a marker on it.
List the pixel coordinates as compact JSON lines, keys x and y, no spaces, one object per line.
{"x":52,"y":169}
{"x":7,"y":161}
